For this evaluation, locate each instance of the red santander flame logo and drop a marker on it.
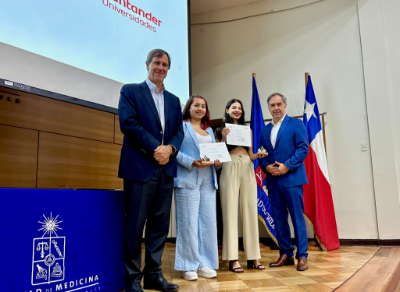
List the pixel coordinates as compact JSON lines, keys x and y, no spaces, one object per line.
{"x":260,"y":176}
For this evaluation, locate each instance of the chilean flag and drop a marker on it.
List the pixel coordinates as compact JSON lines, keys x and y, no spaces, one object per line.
{"x":318,"y":204}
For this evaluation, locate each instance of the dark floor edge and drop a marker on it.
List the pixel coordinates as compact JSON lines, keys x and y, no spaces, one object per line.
{"x":356,"y":271}
{"x":389,"y":242}
{"x":267,"y":241}
{"x":378,"y":242}
{"x":169,"y":240}
{"x":343,"y":242}
{"x":358,"y":242}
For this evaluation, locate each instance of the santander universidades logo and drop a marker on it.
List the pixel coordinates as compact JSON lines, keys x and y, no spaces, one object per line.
{"x":134,"y":13}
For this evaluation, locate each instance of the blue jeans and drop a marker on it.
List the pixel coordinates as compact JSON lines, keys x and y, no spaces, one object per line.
{"x":196,"y":225}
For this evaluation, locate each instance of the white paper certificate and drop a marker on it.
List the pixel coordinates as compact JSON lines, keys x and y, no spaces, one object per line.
{"x":239,"y":135}
{"x":214,"y":151}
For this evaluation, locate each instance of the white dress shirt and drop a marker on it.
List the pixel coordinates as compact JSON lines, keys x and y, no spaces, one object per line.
{"x":158,"y":98}
{"x":275,"y":130}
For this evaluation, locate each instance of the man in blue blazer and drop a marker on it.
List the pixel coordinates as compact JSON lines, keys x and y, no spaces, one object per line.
{"x":151,"y":119}
{"x":286,"y":142}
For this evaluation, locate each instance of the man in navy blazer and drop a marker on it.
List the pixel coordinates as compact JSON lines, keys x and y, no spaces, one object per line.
{"x":151,"y":120}
{"x":286,"y":142}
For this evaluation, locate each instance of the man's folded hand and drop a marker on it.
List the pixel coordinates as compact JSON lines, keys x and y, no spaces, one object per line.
{"x":162,"y":153}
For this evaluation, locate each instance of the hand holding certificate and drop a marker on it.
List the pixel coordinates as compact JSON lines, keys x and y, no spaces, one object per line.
{"x":239,"y":135}
{"x":214,"y":151}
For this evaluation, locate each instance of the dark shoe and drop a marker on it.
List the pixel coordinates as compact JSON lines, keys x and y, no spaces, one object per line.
{"x":302,"y":264}
{"x":284,"y":260}
{"x":133,"y":286}
{"x":235,"y":270}
{"x":251,"y":265}
{"x":160,"y":284}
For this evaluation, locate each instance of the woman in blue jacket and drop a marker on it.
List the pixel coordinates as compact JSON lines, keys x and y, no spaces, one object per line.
{"x":195,"y":197}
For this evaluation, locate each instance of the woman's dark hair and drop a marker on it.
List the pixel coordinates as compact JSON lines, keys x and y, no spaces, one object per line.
{"x":205,"y":121}
{"x":228,"y":119}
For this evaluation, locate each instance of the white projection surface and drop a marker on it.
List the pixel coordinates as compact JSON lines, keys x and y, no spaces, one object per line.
{"x":107,"y":38}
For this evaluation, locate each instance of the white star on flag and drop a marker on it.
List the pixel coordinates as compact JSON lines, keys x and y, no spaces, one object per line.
{"x":309,"y":110}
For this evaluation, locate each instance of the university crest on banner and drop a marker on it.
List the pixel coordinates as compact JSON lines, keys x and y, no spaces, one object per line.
{"x":48,"y":256}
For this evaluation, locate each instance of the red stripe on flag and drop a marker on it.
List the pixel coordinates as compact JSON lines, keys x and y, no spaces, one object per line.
{"x":318,"y":203}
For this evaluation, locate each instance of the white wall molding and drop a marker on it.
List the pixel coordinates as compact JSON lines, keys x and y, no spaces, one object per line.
{"x":221,"y":11}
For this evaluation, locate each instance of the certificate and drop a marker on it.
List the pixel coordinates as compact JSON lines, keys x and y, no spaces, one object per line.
{"x":239,"y":135}
{"x":214,"y":151}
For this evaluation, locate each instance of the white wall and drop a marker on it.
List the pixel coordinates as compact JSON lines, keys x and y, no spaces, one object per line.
{"x":391,"y":19}
{"x":324,"y":39}
{"x":380,"y":26}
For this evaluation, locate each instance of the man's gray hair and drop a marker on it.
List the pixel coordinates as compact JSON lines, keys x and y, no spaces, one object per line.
{"x":284,"y":99}
{"x":157,"y":53}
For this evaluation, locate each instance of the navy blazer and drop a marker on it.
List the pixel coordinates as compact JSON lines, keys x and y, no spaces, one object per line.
{"x":190,"y":150}
{"x":141,"y":126}
{"x":291,"y":148}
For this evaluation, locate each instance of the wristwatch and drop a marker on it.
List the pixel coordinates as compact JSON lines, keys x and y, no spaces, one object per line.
{"x":174,"y":151}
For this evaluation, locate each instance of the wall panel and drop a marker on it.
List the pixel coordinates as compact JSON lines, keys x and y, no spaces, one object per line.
{"x":77,"y":163}
{"x":119,"y":137}
{"x":381,"y":105}
{"x":18,"y":157}
{"x":45,"y":114}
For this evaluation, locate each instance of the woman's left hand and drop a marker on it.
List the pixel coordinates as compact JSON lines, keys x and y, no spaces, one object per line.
{"x":217,"y":163}
{"x":261,"y":154}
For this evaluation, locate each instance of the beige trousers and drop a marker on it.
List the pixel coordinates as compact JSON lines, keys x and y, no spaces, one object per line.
{"x":238,"y":183}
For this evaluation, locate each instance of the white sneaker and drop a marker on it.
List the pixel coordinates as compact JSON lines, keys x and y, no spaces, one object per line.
{"x":207,"y":272}
{"x":189,"y":275}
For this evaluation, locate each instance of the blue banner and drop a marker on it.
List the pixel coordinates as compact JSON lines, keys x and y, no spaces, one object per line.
{"x":61,"y":240}
{"x":264,"y":207}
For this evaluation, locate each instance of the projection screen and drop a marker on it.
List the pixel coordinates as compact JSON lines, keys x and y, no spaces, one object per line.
{"x":88,"y":49}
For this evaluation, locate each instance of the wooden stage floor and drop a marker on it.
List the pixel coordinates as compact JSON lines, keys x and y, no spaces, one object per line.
{"x":353,"y":268}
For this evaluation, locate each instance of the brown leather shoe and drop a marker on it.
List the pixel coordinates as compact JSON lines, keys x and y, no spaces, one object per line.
{"x":302,"y":264}
{"x":283,"y":260}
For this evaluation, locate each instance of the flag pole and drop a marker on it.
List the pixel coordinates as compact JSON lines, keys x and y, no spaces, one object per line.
{"x":312,"y":245}
{"x":307,"y":74}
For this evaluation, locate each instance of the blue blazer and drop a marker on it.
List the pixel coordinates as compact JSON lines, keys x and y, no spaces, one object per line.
{"x":291,"y":148}
{"x":190,"y":150}
{"x":141,"y":126}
